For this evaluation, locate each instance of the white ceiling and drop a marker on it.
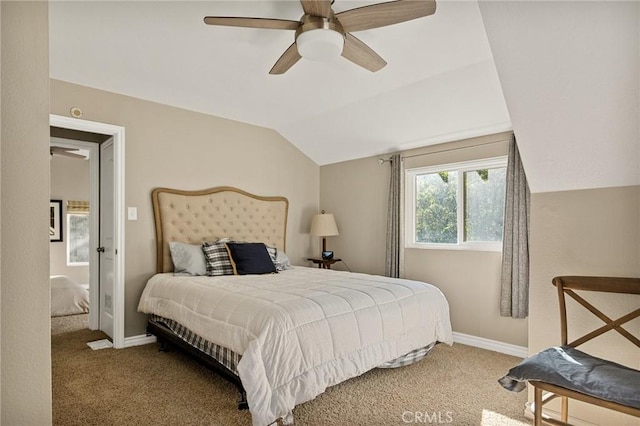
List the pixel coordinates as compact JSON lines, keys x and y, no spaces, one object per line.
{"x":440,"y":83}
{"x":570,"y":71}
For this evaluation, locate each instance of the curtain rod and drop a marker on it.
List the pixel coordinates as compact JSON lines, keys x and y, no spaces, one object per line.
{"x":386,"y":160}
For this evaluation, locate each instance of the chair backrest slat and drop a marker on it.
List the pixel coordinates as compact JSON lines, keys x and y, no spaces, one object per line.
{"x":567,"y":284}
{"x":604,"y":284}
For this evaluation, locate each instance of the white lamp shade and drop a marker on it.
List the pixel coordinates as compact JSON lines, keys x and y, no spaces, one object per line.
{"x":324,"y":225}
{"x":321,"y":44}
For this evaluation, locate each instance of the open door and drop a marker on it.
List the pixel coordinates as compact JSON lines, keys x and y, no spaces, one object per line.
{"x":107,"y":250}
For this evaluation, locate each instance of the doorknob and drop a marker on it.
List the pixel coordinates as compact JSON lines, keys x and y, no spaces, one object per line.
{"x":100,"y":249}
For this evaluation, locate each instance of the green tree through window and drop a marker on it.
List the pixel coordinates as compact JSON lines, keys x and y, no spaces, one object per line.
{"x":77,"y":239}
{"x":436,"y":208}
{"x":462,"y":203}
{"x":484,"y":204}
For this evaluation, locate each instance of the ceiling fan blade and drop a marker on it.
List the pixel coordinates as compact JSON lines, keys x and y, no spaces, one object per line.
{"x":317,"y":7}
{"x":383,"y":14}
{"x":64,"y":152}
{"x":61,"y":149}
{"x":272,"y":24}
{"x":70,"y":154}
{"x":361,"y":54}
{"x":287,"y":60}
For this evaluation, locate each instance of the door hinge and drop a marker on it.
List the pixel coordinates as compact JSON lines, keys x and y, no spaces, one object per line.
{"x":100,"y":249}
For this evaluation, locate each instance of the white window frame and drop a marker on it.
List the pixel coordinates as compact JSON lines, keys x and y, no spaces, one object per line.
{"x":69,"y":262}
{"x":410,"y":203}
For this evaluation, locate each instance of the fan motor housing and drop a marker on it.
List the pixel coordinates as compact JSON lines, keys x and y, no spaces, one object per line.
{"x":319,"y":38}
{"x":308,"y":23}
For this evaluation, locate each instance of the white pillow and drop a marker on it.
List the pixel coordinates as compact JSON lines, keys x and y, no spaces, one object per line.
{"x":188,"y":259}
{"x":279,"y":258}
{"x":282,"y":261}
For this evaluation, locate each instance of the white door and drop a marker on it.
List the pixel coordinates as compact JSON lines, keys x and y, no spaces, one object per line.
{"x":107,"y":237}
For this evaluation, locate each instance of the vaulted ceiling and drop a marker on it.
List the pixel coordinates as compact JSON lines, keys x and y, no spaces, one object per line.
{"x":440,"y":82}
{"x":568,"y":71}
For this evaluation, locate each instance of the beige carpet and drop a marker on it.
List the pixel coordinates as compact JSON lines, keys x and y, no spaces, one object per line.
{"x":69,"y":323}
{"x":142,"y":386}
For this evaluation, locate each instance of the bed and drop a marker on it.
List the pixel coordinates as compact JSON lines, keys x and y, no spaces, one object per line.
{"x":68,"y":297}
{"x":282,"y":337}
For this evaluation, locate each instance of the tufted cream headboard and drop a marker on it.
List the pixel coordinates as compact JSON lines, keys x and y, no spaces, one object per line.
{"x":196,"y":216}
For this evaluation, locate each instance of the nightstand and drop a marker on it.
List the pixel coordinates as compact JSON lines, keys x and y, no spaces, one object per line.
{"x":324,"y":263}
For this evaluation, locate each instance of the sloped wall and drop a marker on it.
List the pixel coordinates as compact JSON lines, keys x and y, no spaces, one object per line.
{"x":569,"y":72}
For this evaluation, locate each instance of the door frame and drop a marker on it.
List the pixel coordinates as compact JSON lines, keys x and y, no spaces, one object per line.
{"x":118,"y":134}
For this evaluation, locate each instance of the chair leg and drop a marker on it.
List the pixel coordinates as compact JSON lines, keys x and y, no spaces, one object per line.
{"x":537,"y":406}
{"x":564,"y":411}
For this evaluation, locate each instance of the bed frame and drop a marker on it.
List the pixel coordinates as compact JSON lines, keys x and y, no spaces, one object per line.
{"x":168,"y":339}
{"x":193,"y":217}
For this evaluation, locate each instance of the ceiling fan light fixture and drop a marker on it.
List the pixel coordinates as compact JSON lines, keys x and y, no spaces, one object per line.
{"x":321,"y":44}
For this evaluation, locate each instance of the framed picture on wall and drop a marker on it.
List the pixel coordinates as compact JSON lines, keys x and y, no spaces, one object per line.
{"x":55,"y":221}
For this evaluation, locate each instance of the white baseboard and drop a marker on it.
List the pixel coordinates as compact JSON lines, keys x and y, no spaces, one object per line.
{"x":492,"y":345}
{"x":142,"y":339}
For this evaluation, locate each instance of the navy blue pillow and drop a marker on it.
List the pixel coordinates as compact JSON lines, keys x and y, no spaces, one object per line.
{"x":250,"y":258}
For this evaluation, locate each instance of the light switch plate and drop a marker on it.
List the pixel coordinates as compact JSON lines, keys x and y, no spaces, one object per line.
{"x":132,"y":213}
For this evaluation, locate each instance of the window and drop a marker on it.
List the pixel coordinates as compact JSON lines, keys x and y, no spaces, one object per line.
{"x":457,"y":205}
{"x":77,"y":233}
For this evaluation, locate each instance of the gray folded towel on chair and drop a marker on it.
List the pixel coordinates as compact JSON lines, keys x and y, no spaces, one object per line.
{"x":573,"y":369}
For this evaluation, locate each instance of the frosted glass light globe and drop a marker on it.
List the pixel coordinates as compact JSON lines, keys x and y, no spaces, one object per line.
{"x":321,"y":44}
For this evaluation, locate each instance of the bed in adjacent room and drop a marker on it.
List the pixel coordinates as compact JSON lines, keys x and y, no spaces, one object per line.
{"x":68,"y":297}
{"x":226,"y":292}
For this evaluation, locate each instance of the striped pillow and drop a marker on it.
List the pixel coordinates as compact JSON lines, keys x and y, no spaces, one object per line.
{"x":217,"y":257}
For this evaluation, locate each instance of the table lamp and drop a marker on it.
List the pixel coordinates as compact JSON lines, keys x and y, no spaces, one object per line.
{"x":324,"y":225}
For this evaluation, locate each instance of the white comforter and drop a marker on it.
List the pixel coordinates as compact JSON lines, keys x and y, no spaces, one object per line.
{"x":304,"y":329}
{"x":68,"y":297}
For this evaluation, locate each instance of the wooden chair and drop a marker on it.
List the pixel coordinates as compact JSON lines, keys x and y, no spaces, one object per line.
{"x":565,"y":372}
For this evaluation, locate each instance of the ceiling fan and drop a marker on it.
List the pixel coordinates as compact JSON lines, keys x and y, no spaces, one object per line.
{"x":64,"y":152}
{"x":321,"y":34}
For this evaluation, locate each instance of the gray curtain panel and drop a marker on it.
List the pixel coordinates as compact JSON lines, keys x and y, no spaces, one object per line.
{"x":514,"y":301}
{"x":393,"y":266}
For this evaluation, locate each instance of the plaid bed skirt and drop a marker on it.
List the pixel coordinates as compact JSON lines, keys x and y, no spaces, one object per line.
{"x":223,"y":355}
{"x":410,"y":358}
{"x":230,"y":359}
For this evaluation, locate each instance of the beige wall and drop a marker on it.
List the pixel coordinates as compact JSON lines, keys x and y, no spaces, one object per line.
{"x":25,"y":348}
{"x":69,"y":181}
{"x":173,"y":147}
{"x":585,"y":232}
{"x":356,"y":192}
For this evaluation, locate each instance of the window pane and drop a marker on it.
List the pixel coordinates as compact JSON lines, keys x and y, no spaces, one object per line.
{"x":484,"y":204}
{"x":78,"y":231}
{"x":436,"y":208}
